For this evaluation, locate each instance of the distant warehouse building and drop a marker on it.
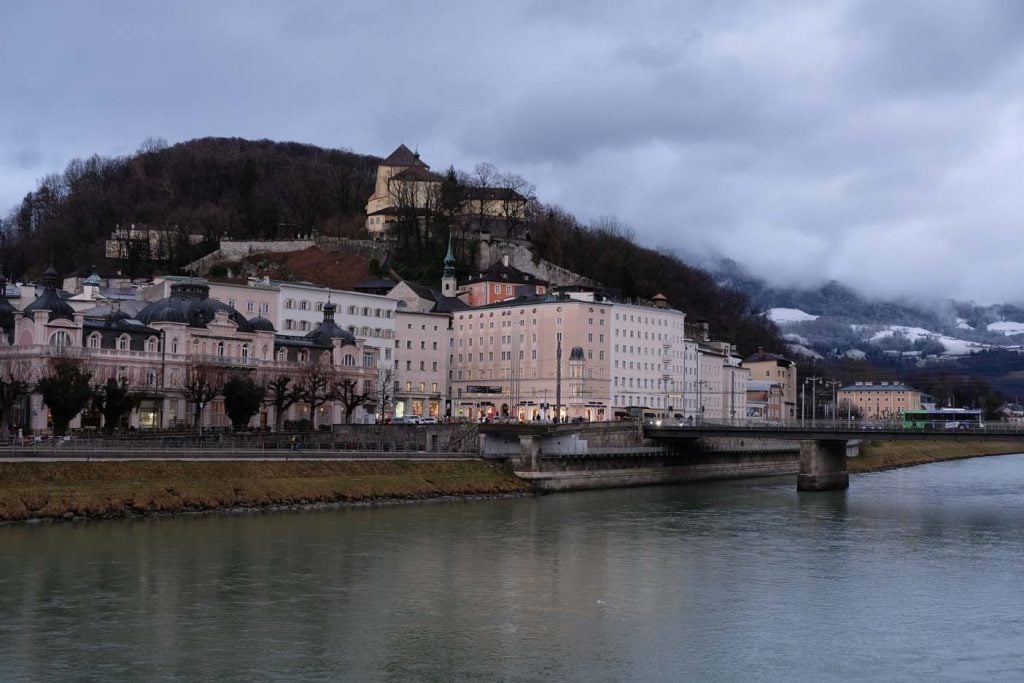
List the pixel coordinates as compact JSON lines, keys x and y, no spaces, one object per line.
{"x":882,"y":400}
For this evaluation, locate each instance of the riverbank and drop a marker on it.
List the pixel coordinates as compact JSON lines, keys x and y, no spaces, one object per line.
{"x":887,"y":455}
{"x":103,"y":490}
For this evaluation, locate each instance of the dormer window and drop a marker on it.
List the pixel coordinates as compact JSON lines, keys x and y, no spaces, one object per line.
{"x":94,"y":340}
{"x":123,"y":342}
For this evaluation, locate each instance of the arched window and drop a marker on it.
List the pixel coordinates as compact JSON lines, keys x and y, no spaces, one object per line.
{"x":61,"y":338}
{"x":325,"y":357}
{"x":94,"y":340}
{"x":123,"y":342}
{"x":264,"y":352}
{"x":174,"y":345}
{"x":282,"y":354}
{"x":303,"y":356}
{"x":245,"y":352}
{"x":220,"y":349}
{"x":151,"y":344}
{"x":350,"y":360}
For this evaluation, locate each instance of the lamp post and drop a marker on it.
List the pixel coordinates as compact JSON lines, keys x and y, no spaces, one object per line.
{"x":814,"y":383}
{"x":163,"y":370}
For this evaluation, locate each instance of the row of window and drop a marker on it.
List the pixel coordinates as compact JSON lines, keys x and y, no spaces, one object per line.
{"x":408,"y":344}
{"x":422,"y":387}
{"x":365,"y":311}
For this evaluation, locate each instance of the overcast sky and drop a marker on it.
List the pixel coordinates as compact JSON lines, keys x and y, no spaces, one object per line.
{"x":877,"y":143}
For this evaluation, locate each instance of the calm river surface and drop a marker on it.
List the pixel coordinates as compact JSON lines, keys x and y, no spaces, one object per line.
{"x":914,"y":574}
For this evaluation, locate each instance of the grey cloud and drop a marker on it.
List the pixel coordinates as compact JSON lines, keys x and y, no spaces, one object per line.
{"x":860,"y":139}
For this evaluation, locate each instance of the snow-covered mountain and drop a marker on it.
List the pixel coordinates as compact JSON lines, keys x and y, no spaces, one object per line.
{"x":832,"y":320}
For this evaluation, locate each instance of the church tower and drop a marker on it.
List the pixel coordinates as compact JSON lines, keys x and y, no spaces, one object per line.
{"x":448,"y":282}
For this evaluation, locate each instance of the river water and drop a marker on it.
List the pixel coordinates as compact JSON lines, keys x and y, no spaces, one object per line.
{"x":914,"y":574}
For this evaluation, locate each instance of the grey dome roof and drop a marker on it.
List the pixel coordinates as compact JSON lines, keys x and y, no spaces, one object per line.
{"x":261,"y":324}
{"x":50,"y":300}
{"x":189,"y":303}
{"x":328,"y":330}
{"x":7,"y":311}
{"x":576,"y":354}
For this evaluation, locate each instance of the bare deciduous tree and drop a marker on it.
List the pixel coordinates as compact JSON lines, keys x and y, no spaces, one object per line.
{"x":347,"y":393}
{"x":282,"y":393}
{"x":385,"y":394}
{"x":200,"y":385}
{"x":15,"y":376}
{"x":315,"y":385}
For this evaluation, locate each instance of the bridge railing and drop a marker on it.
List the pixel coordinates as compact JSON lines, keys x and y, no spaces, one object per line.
{"x":866,"y":426}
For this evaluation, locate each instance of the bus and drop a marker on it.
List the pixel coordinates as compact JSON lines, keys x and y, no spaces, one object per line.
{"x":943,"y":419}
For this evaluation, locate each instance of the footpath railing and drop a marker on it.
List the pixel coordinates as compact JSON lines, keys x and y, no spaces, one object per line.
{"x":375,"y":441}
{"x":139,"y":451}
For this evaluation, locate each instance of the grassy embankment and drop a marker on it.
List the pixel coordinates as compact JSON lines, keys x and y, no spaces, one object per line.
{"x":118,"y":489}
{"x":887,"y":455}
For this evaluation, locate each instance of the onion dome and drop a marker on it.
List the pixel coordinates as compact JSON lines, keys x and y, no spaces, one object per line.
{"x":50,"y":300}
{"x":328,"y":330}
{"x":190,"y":303}
{"x":261,"y":324}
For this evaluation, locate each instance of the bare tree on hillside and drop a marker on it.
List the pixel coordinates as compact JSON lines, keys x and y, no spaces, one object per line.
{"x":515,"y":192}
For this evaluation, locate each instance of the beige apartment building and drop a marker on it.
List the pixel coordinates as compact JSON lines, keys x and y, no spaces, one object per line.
{"x":420,"y":375}
{"x":532,"y":359}
{"x":721,"y":383}
{"x":648,"y":356}
{"x":765,"y":366}
{"x":882,"y":400}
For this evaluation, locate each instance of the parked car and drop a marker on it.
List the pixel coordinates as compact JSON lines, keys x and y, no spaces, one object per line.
{"x":406,"y":420}
{"x":428,"y":420}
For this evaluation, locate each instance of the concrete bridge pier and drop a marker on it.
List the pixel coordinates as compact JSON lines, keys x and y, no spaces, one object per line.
{"x":823,"y":466}
{"x":529,"y":453}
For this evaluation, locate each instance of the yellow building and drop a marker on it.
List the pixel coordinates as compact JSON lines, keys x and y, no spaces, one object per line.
{"x":406,"y":184}
{"x":884,"y":400}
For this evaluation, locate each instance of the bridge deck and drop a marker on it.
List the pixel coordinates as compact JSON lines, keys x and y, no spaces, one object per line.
{"x":829,"y":431}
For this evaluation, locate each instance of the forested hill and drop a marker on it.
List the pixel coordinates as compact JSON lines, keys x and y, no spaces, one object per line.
{"x":218,"y":187}
{"x":211,"y":187}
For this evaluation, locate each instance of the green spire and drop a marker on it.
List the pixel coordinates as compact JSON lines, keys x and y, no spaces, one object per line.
{"x":449,"y":260}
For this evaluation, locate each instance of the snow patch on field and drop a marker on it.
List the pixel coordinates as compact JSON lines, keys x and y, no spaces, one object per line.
{"x":953,"y":346}
{"x":1007,"y":327}
{"x":789,"y":315}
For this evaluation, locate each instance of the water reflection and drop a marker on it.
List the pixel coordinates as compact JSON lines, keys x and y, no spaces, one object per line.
{"x":909,"y":574}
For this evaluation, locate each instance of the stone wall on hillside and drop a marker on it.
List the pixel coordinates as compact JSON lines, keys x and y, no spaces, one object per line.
{"x":233,"y":250}
{"x":521,"y":256}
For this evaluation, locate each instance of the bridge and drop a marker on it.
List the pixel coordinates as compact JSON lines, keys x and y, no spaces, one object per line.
{"x":823,"y":444}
